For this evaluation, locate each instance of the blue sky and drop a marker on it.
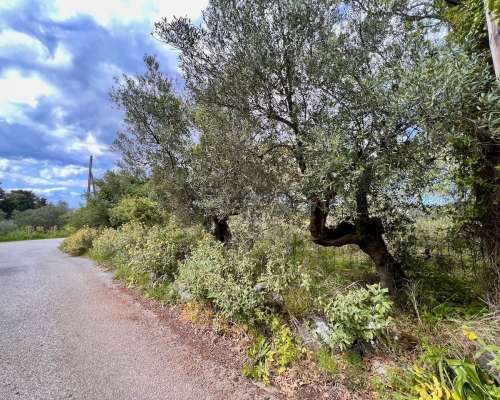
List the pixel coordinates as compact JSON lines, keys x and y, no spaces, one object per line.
{"x":57,"y":63}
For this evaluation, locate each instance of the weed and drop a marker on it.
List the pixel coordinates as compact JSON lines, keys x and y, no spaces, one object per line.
{"x":328,"y":362}
{"x":275,"y":354}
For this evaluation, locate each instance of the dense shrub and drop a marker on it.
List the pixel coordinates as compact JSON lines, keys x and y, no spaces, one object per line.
{"x":163,"y":249}
{"x":106,"y":245}
{"x":79,"y":242}
{"x":135,"y":209}
{"x":358,"y":316}
{"x":225,"y":279}
{"x":94,"y":214}
{"x":118,"y":245}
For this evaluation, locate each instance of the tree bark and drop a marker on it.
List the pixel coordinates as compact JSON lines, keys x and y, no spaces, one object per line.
{"x":220,"y":229}
{"x":372,"y":243}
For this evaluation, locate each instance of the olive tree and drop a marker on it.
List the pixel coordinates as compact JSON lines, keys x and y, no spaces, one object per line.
{"x":330,"y":84}
{"x":206,"y":163}
{"x":231,"y":170}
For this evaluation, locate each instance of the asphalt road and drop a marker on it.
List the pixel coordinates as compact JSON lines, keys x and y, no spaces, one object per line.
{"x":66,"y":332}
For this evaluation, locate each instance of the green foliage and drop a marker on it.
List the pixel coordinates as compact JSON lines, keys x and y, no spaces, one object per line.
{"x":27,"y":234}
{"x":106,"y":246}
{"x":7,"y":226}
{"x":132,"y":278}
{"x":438,"y":377}
{"x":146,"y":257}
{"x":259,"y":353}
{"x":360,"y":315}
{"x":274,"y":354}
{"x":46,"y":216}
{"x":327,"y":361}
{"x":468,"y":23}
{"x":440,"y":294}
{"x":494,"y":8}
{"x":115,"y":185}
{"x":285,"y":348}
{"x":227,"y":280}
{"x":111,"y":189}
{"x":163,"y":249}
{"x":118,"y":245}
{"x":79,"y":242}
{"x":135,"y":209}
{"x":94,"y":214}
{"x":20,"y":200}
{"x":165,"y":292}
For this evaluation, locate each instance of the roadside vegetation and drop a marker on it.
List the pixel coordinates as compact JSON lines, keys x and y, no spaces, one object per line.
{"x":324,"y":191}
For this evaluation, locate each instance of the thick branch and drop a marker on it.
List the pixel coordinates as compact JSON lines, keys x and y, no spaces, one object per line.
{"x":344,"y":233}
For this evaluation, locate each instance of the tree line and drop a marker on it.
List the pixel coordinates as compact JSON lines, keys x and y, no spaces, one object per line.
{"x":22,"y":208}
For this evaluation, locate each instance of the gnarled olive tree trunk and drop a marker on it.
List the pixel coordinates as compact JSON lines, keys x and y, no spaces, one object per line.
{"x":220,"y":229}
{"x":367,"y":233}
{"x":363,"y":230}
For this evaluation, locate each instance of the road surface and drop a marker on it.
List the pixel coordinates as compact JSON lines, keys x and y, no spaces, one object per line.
{"x":67,"y":332}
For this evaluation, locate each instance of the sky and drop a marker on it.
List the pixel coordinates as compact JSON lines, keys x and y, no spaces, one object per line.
{"x":58,"y":59}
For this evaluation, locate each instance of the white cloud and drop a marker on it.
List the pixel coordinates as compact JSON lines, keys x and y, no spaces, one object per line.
{"x":126,"y":11}
{"x":41,"y":173}
{"x":24,"y":89}
{"x":19,"y":44}
{"x":11,"y":40}
{"x":62,"y":172}
{"x":9,"y":4}
{"x":4,"y":163}
{"x":61,"y":58}
{"x":41,"y":190}
{"x":18,"y":90}
{"x":89,"y":145}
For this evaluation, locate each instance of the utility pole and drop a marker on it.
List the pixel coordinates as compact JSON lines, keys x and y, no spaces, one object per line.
{"x":90,"y":179}
{"x":494,"y":38}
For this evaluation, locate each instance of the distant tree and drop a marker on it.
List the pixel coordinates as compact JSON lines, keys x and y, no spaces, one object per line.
{"x":111,"y":189}
{"x":20,"y":200}
{"x":115,"y":185}
{"x":95,"y":213}
{"x":46,"y":216}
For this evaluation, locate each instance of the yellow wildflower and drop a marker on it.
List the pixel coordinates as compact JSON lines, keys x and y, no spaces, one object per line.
{"x":471,"y":335}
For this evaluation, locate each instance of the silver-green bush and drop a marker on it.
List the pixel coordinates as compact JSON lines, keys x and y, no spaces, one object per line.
{"x":359,"y":315}
{"x":224,"y":278}
{"x":163,"y":249}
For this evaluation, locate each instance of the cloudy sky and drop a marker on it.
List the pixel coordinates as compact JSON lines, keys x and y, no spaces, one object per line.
{"x":57,"y":63}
